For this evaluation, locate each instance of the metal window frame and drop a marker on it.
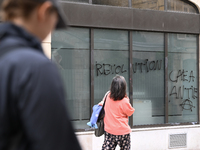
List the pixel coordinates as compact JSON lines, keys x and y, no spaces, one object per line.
{"x":166,"y":75}
{"x":198,"y":68}
{"x":131,"y":72}
{"x":121,"y":18}
{"x":91,"y":69}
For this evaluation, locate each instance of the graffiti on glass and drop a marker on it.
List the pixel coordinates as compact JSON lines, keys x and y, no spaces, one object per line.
{"x":186,"y":94}
{"x":107,"y":69}
{"x":183,"y":92}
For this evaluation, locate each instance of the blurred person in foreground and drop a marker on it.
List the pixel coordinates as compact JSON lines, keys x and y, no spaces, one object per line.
{"x":32,"y":103}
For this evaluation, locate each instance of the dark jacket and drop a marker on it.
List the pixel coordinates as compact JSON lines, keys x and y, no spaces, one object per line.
{"x":32,"y":104}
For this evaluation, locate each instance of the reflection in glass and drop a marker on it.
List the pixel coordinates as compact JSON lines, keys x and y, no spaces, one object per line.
{"x":149,"y":4}
{"x":181,"y":6}
{"x":183,"y":78}
{"x":70,"y":51}
{"x":111,"y":57}
{"x":122,"y":3}
{"x":148,"y":78}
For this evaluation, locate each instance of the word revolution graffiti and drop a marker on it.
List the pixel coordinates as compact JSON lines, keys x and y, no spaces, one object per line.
{"x":147,"y":65}
{"x":183,"y":92}
{"x":106,"y":69}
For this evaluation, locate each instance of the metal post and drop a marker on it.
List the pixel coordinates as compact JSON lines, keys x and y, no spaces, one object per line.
{"x":166,"y":76}
{"x":91,"y":68}
{"x":165,"y":5}
{"x":198,"y":56}
{"x":129,"y":3}
{"x":131,"y":74}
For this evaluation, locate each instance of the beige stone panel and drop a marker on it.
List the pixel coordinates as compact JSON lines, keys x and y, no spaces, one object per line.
{"x":48,"y":39}
{"x":85,"y":141}
{"x":47,"y":49}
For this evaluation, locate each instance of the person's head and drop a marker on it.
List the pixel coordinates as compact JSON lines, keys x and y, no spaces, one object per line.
{"x":39,"y":17}
{"x":118,"y":88}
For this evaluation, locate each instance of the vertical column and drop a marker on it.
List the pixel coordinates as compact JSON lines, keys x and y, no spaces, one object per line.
{"x":198,"y":56}
{"x":46,"y":45}
{"x":90,"y":1}
{"x":165,"y":5}
{"x":166,"y":76}
{"x":92,"y":68}
{"x":129,"y":3}
{"x":131,"y":74}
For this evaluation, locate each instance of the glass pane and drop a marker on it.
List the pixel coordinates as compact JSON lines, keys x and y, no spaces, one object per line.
{"x":183,"y":78}
{"x":111,"y":57}
{"x":181,"y":6}
{"x":70,"y":51}
{"x":143,"y":41}
{"x":148,"y":78}
{"x":149,"y":4}
{"x":81,"y":1}
{"x":122,"y":3}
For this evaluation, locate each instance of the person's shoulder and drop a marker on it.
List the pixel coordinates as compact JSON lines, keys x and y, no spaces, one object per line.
{"x":126,"y":99}
{"x":27,"y":56}
{"x":29,"y":60}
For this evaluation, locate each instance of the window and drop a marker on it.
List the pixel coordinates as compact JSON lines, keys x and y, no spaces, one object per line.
{"x":181,"y":6}
{"x":171,"y":5}
{"x":70,"y":51}
{"x":148,"y":78}
{"x":152,"y":62}
{"x":111,"y":57}
{"x":122,"y":3}
{"x":149,"y":4}
{"x":182,"y":78}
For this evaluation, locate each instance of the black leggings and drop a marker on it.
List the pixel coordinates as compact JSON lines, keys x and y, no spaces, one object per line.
{"x":111,"y":141}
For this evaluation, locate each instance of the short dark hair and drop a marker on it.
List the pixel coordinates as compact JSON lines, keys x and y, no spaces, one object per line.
{"x":10,"y":9}
{"x":118,"y":88}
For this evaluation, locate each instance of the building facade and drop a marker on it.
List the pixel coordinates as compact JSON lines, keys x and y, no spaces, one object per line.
{"x":154,"y":44}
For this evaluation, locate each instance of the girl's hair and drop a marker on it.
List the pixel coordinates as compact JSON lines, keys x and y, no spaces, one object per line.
{"x":118,"y":88}
{"x":10,"y":9}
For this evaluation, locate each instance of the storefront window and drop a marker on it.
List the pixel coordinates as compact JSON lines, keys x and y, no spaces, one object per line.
{"x":149,"y":4}
{"x":159,"y":73}
{"x":181,"y":6}
{"x":122,"y":3}
{"x":111,"y":57}
{"x":70,"y":51}
{"x":148,"y":78}
{"x":182,"y":78}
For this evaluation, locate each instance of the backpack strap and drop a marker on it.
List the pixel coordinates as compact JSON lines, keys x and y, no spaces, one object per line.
{"x":105,"y":100}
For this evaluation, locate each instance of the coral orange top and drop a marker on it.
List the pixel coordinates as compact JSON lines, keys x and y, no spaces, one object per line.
{"x":116,"y":116}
